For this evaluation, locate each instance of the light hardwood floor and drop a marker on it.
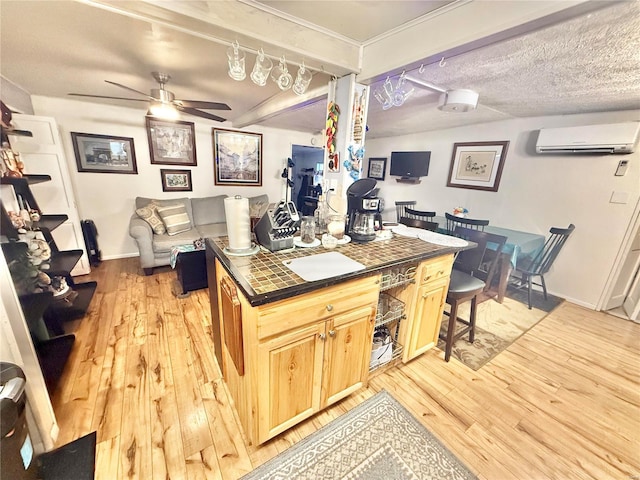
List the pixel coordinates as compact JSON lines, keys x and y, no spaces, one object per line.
{"x":561,"y":403}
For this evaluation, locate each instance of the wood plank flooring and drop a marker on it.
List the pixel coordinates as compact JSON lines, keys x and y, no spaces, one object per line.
{"x":563,"y":402}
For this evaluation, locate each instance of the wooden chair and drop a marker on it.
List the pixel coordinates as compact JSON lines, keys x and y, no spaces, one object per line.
{"x":414,"y":222}
{"x":464,"y":285}
{"x":472,"y":223}
{"x":401,"y":206}
{"x":541,"y":263}
{"x":419,"y":214}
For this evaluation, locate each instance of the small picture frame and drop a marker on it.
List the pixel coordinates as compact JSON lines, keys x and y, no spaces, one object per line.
{"x":176,"y":180}
{"x":171,"y":142}
{"x":477,"y":165}
{"x":104,"y":153}
{"x":377,"y":168}
{"x":237,"y":158}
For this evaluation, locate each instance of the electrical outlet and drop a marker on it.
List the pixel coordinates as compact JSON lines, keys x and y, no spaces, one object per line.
{"x":622,"y":168}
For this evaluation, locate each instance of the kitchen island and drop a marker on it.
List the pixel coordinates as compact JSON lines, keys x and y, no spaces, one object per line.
{"x":288,"y":348}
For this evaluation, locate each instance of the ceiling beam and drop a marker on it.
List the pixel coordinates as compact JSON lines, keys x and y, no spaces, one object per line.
{"x":225,"y":22}
{"x":279,"y":103}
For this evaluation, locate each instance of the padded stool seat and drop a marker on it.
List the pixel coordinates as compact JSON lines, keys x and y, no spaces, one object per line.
{"x":462,"y":287}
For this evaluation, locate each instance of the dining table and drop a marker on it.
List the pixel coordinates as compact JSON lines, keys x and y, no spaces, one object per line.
{"x":520,"y":245}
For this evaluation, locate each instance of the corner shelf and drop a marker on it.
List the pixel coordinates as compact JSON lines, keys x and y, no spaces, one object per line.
{"x":45,"y":315}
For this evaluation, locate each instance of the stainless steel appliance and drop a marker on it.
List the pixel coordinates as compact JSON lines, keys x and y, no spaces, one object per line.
{"x":363,"y":210}
{"x":276,"y":228}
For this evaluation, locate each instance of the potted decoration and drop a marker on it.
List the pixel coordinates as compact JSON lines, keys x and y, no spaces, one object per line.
{"x":460,"y":212}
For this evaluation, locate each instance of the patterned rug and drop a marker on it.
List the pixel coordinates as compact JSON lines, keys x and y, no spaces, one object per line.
{"x":377,"y":440}
{"x":498,"y":325}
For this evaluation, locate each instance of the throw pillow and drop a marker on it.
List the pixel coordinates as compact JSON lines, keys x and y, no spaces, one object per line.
{"x":150,"y":215}
{"x":175,"y":218}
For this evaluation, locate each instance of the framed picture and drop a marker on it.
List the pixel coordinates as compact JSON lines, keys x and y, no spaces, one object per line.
{"x":377,"y":168}
{"x":237,"y":157}
{"x":176,"y":180}
{"x":104,"y":153}
{"x":171,"y":142}
{"x":477,"y":165}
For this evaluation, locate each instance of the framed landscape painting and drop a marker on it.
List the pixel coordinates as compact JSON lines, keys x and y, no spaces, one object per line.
{"x":104,"y":153}
{"x":477,"y":165}
{"x":171,"y":142}
{"x":237,"y":157}
{"x":377,"y":168}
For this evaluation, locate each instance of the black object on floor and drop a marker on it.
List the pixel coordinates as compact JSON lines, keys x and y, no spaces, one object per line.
{"x":90,"y":233}
{"x":75,"y":460}
{"x":191,"y":268}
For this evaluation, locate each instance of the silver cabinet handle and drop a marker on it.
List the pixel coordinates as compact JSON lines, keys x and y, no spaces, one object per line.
{"x":329,"y":307}
{"x":332,"y":333}
{"x":323,"y":336}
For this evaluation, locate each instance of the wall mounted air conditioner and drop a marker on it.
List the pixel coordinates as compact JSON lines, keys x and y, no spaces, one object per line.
{"x":602,"y":139}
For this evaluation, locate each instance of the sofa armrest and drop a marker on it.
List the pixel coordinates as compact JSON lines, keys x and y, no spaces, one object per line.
{"x":142,"y":233}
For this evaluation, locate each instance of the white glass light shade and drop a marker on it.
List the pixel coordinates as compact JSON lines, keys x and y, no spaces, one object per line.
{"x":163,"y":110}
{"x":458,"y":101}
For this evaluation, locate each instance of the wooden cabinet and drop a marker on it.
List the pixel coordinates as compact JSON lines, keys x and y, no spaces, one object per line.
{"x":425,"y":304}
{"x":300,"y":354}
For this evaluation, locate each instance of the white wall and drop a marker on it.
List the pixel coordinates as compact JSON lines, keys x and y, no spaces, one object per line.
{"x":536,"y":192}
{"x":108,"y":199}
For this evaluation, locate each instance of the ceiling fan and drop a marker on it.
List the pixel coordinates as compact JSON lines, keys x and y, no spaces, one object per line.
{"x":160,"y":98}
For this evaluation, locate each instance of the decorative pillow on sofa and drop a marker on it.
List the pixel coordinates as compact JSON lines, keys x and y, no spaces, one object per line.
{"x":150,"y":215}
{"x":175,"y":218}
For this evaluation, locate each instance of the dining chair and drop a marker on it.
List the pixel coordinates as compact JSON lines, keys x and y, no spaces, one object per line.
{"x":419,"y":214}
{"x":453,"y":222}
{"x":464,"y":284}
{"x":414,"y":222}
{"x":540,"y":264}
{"x":401,"y":206}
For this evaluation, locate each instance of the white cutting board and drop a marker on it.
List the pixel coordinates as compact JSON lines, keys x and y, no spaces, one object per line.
{"x":323,"y":265}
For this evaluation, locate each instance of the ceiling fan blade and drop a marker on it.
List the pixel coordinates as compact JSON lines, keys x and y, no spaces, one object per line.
{"x":199,"y":113}
{"x":130,"y":89}
{"x":205,"y":105}
{"x":111,"y":98}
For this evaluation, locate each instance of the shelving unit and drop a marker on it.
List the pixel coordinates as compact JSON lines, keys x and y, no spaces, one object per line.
{"x":391,"y":311}
{"x":44,"y":313}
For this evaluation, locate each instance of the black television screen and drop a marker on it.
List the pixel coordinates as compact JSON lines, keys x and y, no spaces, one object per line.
{"x":410,"y":164}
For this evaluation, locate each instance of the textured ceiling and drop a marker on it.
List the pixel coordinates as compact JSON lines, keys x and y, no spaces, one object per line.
{"x":587,"y":63}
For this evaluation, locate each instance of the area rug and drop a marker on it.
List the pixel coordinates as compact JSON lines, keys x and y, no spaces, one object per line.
{"x":498,"y":325}
{"x":377,"y":440}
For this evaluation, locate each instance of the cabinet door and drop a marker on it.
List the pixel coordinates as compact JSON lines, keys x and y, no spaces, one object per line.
{"x":427,"y":316}
{"x":347,"y":353}
{"x":289,"y":379}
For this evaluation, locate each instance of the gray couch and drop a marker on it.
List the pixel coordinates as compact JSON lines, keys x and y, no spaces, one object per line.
{"x":207,"y":219}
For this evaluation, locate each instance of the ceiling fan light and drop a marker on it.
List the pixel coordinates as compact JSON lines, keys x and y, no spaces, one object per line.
{"x":163,"y":110}
{"x":458,"y":101}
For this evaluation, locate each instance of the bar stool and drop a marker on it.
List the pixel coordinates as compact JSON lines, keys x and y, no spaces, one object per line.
{"x":464,"y":286}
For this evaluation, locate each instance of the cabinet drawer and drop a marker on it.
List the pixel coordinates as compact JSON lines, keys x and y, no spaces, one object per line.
{"x":319,"y":305}
{"x":435,"y":269}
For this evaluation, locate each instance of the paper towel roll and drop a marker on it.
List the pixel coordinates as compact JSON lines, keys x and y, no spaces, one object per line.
{"x":236,"y":210}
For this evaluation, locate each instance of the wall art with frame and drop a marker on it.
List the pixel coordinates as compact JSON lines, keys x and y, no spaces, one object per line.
{"x":176,"y":180}
{"x":171,"y":142}
{"x":237,"y":157}
{"x":104,"y":153}
{"x":377,"y":168}
{"x":477,"y":165}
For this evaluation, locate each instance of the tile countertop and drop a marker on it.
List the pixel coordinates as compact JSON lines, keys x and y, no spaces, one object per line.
{"x":263,"y":277}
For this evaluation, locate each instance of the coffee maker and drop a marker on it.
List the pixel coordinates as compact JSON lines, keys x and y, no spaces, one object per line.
{"x":363,"y":210}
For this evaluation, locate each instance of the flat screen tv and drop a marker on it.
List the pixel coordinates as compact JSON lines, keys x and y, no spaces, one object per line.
{"x":410,"y":164}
